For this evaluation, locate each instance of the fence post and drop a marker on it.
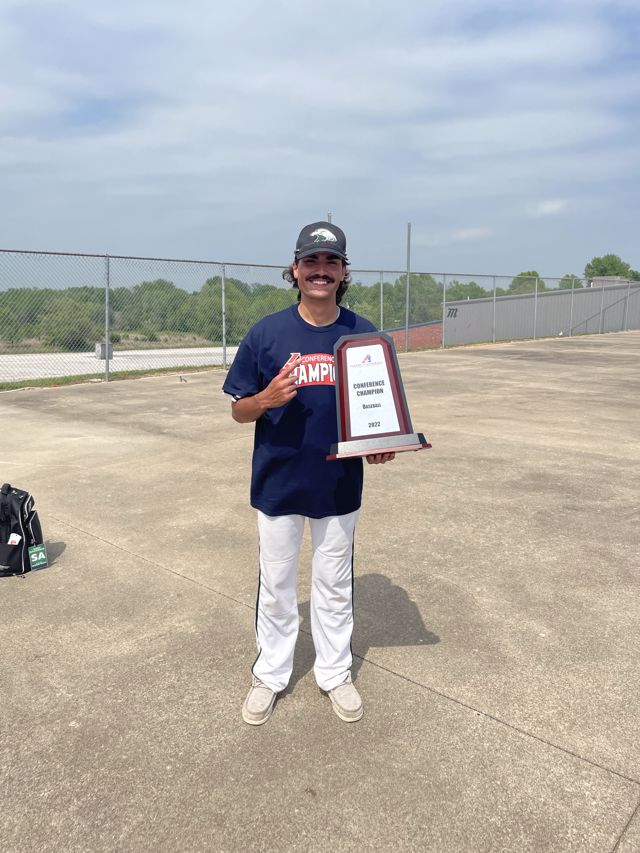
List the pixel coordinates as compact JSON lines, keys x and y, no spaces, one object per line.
{"x":223,"y":307}
{"x":406,"y":318}
{"x":573,"y":285}
{"x":493,"y":319}
{"x":535,"y":310}
{"x":626,"y":306}
{"x":381,"y":301}
{"x":602,"y":310}
{"x":106,"y":317}
{"x":444,"y":308}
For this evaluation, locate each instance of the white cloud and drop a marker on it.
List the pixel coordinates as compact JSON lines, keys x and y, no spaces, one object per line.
{"x":551,"y":207}
{"x":159,"y":125}
{"x":462,"y":234}
{"x":455,"y":235}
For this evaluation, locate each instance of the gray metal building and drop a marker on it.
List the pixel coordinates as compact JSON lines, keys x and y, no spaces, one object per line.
{"x":547,"y":313}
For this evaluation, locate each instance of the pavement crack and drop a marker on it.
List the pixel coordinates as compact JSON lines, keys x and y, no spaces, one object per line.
{"x":448,"y":698}
{"x":500,"y":721}
{"x":635,"y":812}
{"x":144,"y":559}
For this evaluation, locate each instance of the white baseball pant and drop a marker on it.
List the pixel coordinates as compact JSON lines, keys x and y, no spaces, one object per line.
{"x":277,"y":617}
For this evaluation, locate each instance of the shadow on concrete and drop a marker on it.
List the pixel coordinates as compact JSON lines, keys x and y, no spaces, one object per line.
{"x":385,"y":616}
{"x":54,"y":550}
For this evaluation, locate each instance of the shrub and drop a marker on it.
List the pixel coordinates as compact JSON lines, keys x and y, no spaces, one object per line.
{"x":70,"y":325}
{"x":149,"y":333}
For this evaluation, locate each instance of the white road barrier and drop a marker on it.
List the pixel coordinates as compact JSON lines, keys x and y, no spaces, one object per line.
{"x":18,"y":368}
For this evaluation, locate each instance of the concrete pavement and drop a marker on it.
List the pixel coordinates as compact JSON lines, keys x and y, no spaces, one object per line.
{"x":496,"y":635}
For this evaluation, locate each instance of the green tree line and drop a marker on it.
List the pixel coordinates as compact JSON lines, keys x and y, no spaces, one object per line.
{"x":73,"y":318}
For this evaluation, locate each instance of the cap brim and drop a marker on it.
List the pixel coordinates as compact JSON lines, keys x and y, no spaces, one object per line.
{"x":320,"y":249}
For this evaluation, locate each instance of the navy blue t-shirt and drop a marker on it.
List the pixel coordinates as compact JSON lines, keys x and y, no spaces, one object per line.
{"x":290,"y":474}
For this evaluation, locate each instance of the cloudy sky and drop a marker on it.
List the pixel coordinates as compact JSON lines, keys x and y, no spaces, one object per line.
{"x":507,"y":133}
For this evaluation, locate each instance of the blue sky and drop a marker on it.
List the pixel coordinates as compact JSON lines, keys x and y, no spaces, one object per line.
{"x":508,"y":134}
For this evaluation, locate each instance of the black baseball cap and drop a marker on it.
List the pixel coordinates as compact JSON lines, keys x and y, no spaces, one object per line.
{"x":321,"y":237}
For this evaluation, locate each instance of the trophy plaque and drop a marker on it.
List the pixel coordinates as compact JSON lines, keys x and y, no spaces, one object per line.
{"x":373,"y":416}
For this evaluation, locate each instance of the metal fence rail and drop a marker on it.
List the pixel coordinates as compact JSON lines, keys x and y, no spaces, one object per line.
{"x":64,"y":314}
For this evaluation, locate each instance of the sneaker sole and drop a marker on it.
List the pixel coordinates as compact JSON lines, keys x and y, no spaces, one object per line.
{"x":261,"y":720}
{"x":355,"y":715}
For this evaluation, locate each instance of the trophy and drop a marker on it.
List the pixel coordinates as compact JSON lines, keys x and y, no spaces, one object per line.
{"x":373,"y":416}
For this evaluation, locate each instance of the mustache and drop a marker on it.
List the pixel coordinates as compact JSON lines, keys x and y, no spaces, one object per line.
{"x":326,"y":278}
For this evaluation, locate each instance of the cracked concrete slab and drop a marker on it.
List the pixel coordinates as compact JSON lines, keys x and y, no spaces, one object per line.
{"x":496,"y":622}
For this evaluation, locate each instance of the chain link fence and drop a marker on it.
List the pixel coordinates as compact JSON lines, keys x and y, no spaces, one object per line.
{"x":71,"y":315}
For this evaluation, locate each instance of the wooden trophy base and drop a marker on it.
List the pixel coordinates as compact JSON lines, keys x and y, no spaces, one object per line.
{"x":382,"y":444}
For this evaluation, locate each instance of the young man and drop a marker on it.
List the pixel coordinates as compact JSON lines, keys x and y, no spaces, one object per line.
{"x":282,"y":378}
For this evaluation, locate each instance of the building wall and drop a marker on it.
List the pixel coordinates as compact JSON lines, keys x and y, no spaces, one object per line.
{"x":555,"y":312}
{"x":608,"y":281}
{"x":424,"y":336}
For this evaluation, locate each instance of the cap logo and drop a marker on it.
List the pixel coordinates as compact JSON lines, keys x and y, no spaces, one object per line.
{"x":322,"y":235}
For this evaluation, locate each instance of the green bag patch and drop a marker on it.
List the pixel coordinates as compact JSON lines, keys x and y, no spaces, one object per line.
{"x":38,"y":556}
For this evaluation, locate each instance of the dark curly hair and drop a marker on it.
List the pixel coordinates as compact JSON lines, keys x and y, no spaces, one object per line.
{"x":288,"y":275}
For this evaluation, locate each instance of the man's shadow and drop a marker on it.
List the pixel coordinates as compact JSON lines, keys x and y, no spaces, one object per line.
{"x":384,"y":616}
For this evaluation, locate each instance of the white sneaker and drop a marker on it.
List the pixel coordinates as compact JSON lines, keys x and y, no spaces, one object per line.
{"x":346,"y":701}
{"x":259,"y":703}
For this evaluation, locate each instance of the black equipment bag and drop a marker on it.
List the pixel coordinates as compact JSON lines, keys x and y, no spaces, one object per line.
{"x":19,"y":530}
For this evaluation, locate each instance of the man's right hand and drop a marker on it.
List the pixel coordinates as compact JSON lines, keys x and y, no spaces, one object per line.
{"x":278,"y":392}
{"x":282,"y":387}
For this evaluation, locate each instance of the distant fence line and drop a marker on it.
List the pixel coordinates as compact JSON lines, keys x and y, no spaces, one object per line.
{"x":66,"y":314}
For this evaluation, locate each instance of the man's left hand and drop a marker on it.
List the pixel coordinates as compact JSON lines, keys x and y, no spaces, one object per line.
{"x":380,"y":458}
